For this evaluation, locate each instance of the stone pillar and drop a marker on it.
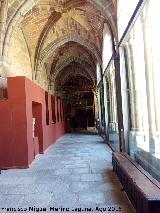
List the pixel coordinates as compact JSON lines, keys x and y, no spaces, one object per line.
{"x":96,"y":104}
{"x":151,"y":35}
{"x":149,"y":86}
{"x":110,"y":101}
{"x":102,"y":107}
{"x":114,"y":101}
{"x":109,"y":98}
{"x":112,"y":97}
{"x":137,"y":82}
{"x":137,"y":88}
{"x":107,"y":107}
{"x":131,"y":91}
{"x":156,"y":76}
{"x":133,"y":100}
{"x":99,"y":110}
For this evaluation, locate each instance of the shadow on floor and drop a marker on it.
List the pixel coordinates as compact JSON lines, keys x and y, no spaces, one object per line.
{"x":89,"y":131}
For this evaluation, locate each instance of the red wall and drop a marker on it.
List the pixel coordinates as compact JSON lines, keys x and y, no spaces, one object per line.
{"x":25,"y":100}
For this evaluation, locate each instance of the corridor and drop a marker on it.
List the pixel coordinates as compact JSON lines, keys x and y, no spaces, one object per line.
{"x":74,"y":172}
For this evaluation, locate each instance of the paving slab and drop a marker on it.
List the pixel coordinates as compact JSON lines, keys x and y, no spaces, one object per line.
{"x":75,"y":172}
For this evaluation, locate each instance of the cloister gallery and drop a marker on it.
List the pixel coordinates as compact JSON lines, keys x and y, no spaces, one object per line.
{"x":71,"y":66}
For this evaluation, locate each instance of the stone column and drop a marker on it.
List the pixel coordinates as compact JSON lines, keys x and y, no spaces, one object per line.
{"x":131,"y":84}
{"x":156,"y":76}
{"x":96,"y":104}
{"x":133,"y":101}
{"x":99,"y":109}
{"x":137,"y":87}
{"x":149,"y":85}
{"x":152,"y":33}
{"x":112,"y":98}
{"x":157,"y":111}
{"x":102,"y":107}
{"x":114,"y":101}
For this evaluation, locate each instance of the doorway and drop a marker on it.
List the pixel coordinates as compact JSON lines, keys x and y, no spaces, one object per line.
{"x":37,"y":124}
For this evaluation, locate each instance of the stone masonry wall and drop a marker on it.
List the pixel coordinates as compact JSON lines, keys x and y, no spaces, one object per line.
{"x":19,"y":56}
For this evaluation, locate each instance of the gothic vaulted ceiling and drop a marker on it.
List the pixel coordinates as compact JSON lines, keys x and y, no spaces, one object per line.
{"x":62,"y":33}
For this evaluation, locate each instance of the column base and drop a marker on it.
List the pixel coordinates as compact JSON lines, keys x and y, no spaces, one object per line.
{"x":142,"y":140}
{"x":154,"y":144}
{"x":138,"y":140}
{"x":113,"y":126}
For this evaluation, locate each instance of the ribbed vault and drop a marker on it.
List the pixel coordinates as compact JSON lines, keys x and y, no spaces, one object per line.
{"x":58,"y":33}
{"x":73,"y":70}
{"x":58,"y":44}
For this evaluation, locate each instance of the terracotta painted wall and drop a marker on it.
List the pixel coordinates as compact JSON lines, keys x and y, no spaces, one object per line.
{"x":25,"y":101}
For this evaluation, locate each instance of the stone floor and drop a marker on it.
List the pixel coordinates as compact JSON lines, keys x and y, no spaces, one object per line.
{"x":76,"y":172}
